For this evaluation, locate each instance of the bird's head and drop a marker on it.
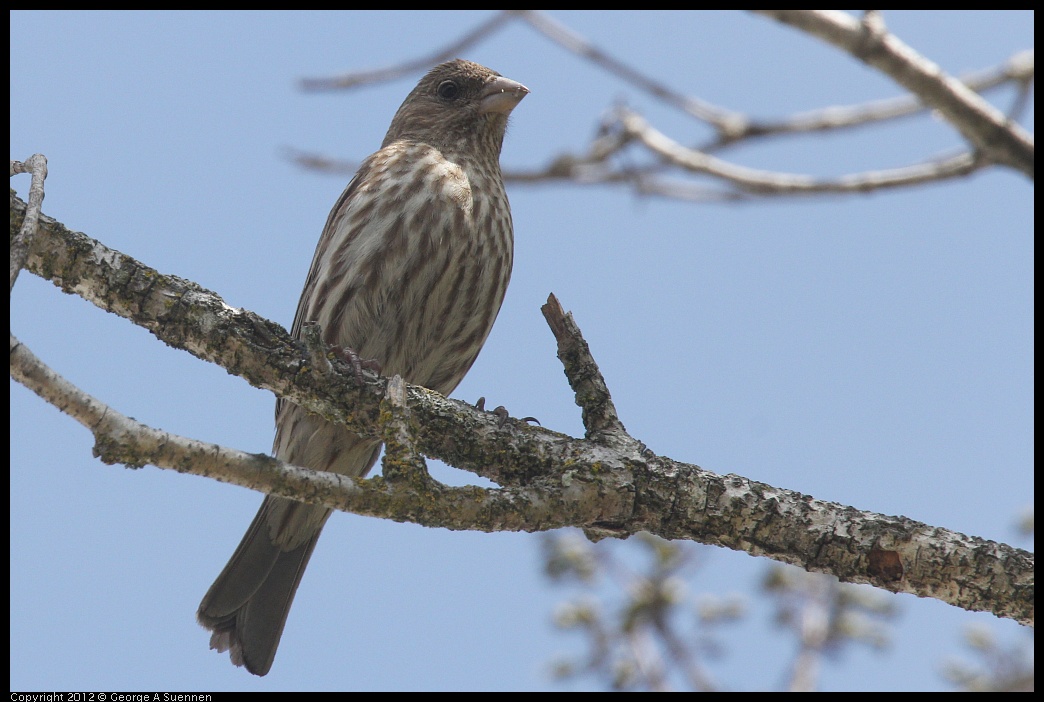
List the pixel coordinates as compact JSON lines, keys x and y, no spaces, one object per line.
{"x":458,"y":105}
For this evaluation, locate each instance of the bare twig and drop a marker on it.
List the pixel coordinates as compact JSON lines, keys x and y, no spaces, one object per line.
{"x":380,"y":75}
{"x":986,"y":127}
{"x":589,"y":388}
{"x":731,"y":126}
{"x":121,"y":439}
{"x":319,"y":162}
{"x":773,"y":183}
{"x":1018,"y":69}
{"x":724,"y":121}
{"x":20,"y":243}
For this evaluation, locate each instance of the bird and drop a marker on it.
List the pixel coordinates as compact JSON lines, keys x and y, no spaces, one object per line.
{"x":410,"y":271}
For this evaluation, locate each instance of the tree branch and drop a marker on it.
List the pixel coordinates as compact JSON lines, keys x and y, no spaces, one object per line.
{"x":994,"y":137}
{"x":1019,"y":69}
{"x":774,"y":183}
{"x":122,"y":440}
{"x":380,"y":75}
{"x":37,"y":165}
{"x":610,"y":484}
{"x":986,"y":127}
{"x":725,"y":122}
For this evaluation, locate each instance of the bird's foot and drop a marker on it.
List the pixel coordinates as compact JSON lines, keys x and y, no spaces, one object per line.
{"x":501,"y":413}
{"x":358,"y":364}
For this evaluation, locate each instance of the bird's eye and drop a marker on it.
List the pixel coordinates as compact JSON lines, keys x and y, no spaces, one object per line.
{"x":448,"y":90}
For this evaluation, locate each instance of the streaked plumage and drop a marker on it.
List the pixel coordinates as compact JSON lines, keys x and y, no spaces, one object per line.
{"x":410,"y":270}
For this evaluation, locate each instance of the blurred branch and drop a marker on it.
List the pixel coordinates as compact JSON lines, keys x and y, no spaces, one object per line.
{"x":994,"y":666}
{"x":637,"y":618}
{"x":996,"y":138}
{"x":825,"y":616}
{"x":641,"y":635}
{"x":356,"y":79}
{"x":724,"y":121}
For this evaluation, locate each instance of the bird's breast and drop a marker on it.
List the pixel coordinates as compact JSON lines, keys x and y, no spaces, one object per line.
{"x":449,"y":182}
{"x":426,"y":258}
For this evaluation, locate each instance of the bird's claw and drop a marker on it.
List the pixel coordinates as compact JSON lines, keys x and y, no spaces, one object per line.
{"x":501,"y":413}
{"x":502,"y":416}
{"x":357,"y":363}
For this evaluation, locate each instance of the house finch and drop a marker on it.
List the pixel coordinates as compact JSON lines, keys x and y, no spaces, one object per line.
{"x":410,"y":271}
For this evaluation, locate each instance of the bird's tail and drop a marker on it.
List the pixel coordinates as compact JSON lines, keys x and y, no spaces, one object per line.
{"x":247,"y":606}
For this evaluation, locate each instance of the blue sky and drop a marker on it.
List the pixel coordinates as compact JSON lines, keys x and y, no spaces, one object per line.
{"x":874,"y":351}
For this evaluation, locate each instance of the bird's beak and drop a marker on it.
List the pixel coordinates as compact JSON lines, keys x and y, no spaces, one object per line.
{"x":501,"y":95}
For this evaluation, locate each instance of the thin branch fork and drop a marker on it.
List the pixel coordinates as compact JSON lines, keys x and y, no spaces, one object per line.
{"x":609,"y":484}
{"x":986,"y":127}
